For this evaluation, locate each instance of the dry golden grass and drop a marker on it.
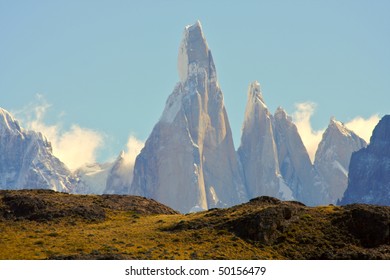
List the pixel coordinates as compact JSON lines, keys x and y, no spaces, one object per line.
{"x":48,"y":225}
{"x":127,"y":234}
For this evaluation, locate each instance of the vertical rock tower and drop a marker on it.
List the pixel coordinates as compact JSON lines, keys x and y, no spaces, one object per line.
{"x":294,"y":162}
{"x":189,"y":161}
{"x":258,"y":151}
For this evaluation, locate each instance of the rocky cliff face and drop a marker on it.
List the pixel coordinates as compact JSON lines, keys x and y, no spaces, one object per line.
{"x":189,"y":161}
{"x":294,"y":162}
{"x":333,"y":157}
{"x":258,"y":152}
{"x":369,"y":169}
{"x":26,"y":159}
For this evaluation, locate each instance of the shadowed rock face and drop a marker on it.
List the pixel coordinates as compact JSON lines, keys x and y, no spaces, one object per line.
{"x":369,"y":224}
{"x":189,"y":159}
{"x":369,"y":169}
{"x":294,"y":162}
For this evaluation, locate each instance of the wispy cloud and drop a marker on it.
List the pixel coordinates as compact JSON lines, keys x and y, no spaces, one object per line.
{"x":75,"y":147}
{"x":363,"y":127}
{"x":134,"y":147}
{"x":302,"y":118}
{"x":125,"y":170}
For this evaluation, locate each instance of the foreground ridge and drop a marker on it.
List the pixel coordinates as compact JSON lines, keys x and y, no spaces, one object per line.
{"x":54,"y":225}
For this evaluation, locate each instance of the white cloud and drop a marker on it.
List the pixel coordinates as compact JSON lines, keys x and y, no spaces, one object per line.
{"x":133,"y":148}
{"x":75,"y":147}
{"x":310,"y":137}
{"x":363,"y":127}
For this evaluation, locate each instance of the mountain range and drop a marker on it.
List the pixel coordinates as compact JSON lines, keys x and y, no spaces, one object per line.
{"x":189,"y":161}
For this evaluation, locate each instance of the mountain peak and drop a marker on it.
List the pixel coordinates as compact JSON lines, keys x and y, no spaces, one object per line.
{"x":189,"y":160}
{"x":339,"y":126}
{"x":255,"y":94}
{"x":280,"y":113}
{"x":382,"y":130}
{"x":27,"y":160}
{"x":7,"y":122}
{"x":369,"y":169}
{"x":380,"y":139}
{"x":194,"y":54}
{"x":121,"y":155}
{"x":196,"y":25}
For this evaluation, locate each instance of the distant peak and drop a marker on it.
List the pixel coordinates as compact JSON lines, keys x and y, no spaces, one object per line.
{"x":381,"y":131}
{"x":196,"y":25}
{"x":281,"y":114}
{"x":255,"y":88}
{"x":4,"y":113}
{"x":334,"y":122}
{"x":8,"y":122}
{"x":255,"y":93}
{"x":336,"y":125}
{"x":194,"y":55}
{"x":280,"y":111}
{"x":121,"y":155}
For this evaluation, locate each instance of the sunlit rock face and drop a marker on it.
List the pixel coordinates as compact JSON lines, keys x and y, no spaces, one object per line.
{"x":294,"y":162}
{"x":258,"y":151}
{"x":189,"y":161}
{"x":27,"y":161}
{"x":333,"y":157}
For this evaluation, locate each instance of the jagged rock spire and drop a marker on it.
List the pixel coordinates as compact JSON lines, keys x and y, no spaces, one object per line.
{"x":189,"y":160}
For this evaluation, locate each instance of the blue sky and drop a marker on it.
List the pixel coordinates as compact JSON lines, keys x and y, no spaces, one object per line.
{"x":107,"y":67}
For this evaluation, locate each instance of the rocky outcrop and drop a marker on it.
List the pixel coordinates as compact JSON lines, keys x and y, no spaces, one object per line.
{"x":295,"y":231}
{"x":189,"y":161}
{"x":369,"y":224}
{"x":47,"y":205}
{"x":369,"y":169}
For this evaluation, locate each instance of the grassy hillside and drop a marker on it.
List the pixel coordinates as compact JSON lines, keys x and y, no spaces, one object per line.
{"x":37,"y":224}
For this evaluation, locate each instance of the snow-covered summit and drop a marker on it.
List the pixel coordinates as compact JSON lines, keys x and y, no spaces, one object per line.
{"x":26,"y":159}
{"x":7,"y":122}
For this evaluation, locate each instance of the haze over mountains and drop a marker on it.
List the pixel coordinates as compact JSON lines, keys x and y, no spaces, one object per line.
{"x":189,"y":161}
